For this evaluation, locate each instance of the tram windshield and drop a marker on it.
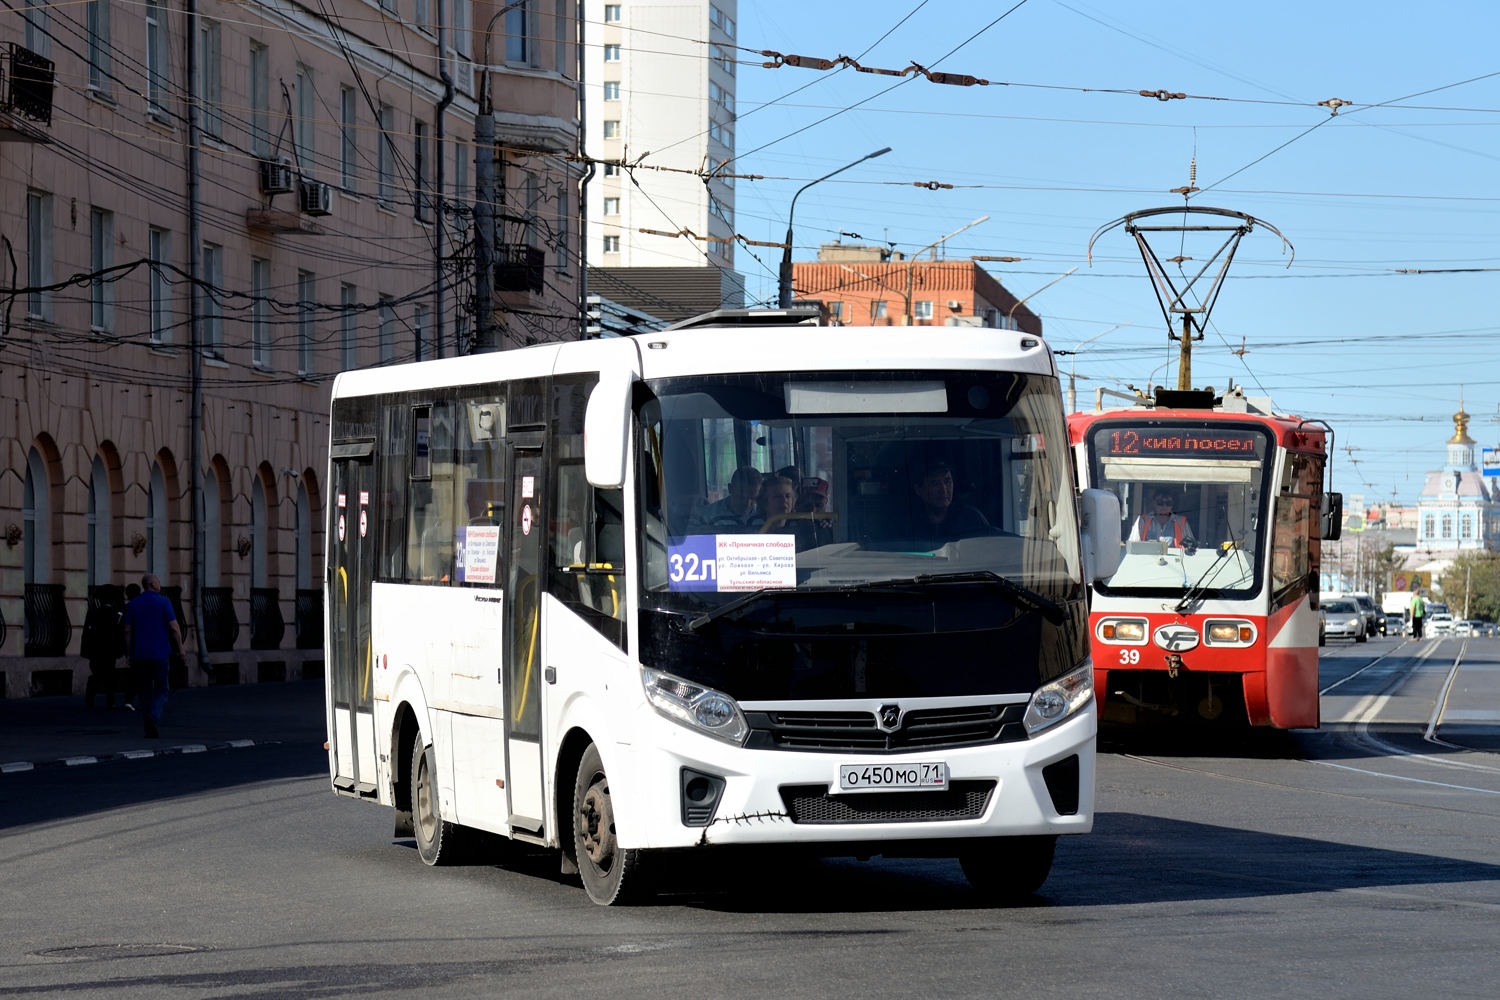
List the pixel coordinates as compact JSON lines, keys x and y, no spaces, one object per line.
{"x":812,"y":481}
{"x":1192,"y":502}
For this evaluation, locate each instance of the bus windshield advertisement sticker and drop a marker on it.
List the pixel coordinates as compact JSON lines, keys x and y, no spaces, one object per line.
{"x":476,"y":553}
{"x":731,"y":562}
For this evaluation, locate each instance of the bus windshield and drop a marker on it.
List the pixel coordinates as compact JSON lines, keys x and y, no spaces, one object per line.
{"x":1192,"y":499}
{"x":808,"y":481}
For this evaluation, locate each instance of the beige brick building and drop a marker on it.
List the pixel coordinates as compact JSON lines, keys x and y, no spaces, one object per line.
{"x":326,"y":134}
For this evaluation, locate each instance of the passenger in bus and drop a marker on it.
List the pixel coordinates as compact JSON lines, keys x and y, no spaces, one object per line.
{"x":778,"y":498}
{"x":940,"y":519}
{"x":736,"y":511}
{"x":1163,"y":523}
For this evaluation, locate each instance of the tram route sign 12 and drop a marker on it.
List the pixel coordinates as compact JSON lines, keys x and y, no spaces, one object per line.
{"x":1489,"y":461}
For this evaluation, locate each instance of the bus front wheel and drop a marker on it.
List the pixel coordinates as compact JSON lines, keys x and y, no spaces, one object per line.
{"x":611,"y":874}
{"x":439,"y":842}
{"x":1008,"y":869}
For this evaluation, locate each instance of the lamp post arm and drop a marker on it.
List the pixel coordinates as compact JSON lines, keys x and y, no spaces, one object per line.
{"x":784,"y":291}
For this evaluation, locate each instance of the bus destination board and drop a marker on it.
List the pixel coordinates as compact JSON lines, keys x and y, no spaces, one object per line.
{"x":1161,"y":442}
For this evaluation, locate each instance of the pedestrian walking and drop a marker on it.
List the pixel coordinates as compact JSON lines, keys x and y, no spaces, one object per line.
{"x":103,"y":643}
{"x":1418,"y":613}
{"x":152,"y":639}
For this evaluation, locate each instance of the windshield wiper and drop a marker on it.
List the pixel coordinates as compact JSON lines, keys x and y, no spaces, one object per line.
{"x":1018,"y":595}
{"x":1200,"y":588}
{"x":735,"y":605}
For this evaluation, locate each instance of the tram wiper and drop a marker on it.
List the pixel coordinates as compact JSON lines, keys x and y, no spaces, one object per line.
{"x":735,"y":605}
{"x":1018,"y":595}
{"x":1191,"y":594}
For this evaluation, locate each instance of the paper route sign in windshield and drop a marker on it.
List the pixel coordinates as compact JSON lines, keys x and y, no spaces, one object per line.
{"x":732,"y":562}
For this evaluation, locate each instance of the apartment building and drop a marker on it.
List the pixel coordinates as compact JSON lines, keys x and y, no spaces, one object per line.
{"x":659,"y":86}
{"x":289,"y":188}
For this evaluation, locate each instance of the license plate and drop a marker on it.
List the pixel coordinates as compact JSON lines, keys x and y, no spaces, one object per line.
{"x":921,"y":777}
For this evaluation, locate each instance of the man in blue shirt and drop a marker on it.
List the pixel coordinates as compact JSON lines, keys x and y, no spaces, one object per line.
{"x":152,"y":638}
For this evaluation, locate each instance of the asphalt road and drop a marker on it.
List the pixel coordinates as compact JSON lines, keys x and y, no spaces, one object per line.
{"x":1358,"y":860}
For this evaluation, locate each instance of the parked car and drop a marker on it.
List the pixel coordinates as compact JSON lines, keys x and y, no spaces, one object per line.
{"x":1439,"y":624}
{"x":1469,"y":626}
{"x":1345,"y":620}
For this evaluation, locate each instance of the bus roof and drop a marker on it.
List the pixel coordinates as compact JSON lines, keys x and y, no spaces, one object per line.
{"x":728,"y":349}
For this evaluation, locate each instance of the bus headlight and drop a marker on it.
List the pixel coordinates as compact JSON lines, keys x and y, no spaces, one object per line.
{"x":1055,"y":701}
{"x":695,"y":706}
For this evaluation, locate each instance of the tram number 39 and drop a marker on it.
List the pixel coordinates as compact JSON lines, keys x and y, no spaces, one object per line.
{"x":1130,"y":656}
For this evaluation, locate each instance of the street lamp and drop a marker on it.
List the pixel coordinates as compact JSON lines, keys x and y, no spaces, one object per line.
{"x":1010,"y":317}
{"x":911,"y":263}
{"x":784,"y":296}
{"x":1073,"y":360}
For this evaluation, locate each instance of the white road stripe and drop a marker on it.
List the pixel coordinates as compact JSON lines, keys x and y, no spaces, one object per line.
{"x":1471,"y":715}
{"x":19,"y":765}
{"x":1402,"y":777}
{"x":75,"y":761}
{"x":1365,"y":710}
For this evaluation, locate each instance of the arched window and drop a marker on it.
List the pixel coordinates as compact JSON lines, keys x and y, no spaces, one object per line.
{"x":258,"y":531}
{"x":36,"y":513}
{"x":304,"y":536}
{"x":1466,"y":526}
{"x":100,"y":518}
{"x":156,"y":524}
{"x":212,"y":536}
{"x":1427,"y":530}
{"x":1447,"y":525}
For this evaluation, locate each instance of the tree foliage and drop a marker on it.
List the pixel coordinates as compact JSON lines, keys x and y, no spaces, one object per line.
{"x":1478,"y":574}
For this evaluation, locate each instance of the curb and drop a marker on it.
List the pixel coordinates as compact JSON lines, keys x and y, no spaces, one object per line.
{"x":19,"y":766}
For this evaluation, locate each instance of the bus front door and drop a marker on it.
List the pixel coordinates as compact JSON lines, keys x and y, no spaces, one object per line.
{"x":523,"y":666}
{"x":349,"y":600}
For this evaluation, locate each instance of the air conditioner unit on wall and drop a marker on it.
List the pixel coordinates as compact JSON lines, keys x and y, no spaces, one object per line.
{"x":276,"y":176}
{"x":955,"y":304}
{"x":316,"y":198}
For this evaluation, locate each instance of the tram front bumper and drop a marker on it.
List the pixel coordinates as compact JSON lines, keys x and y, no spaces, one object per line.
{"x":1039,"y":786}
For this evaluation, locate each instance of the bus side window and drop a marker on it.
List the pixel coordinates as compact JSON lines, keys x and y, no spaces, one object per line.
{"x":391,"y":512}
{"x":430,"y":535}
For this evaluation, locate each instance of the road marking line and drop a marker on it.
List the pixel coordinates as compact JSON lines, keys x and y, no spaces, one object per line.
{"x":137,"y":754}
{"x":1402,"y":777}
{"x":75,"y":761}
{"x":1364,"y":710}
{"x":19,"y":765}
{"x":192,"y":748}
{"x":242,"y":743}
{"x":1442,"y":698}
{"x":1471,"y":715}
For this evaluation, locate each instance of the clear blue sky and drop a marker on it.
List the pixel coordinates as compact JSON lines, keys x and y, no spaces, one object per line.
{"x":1339,"y":335}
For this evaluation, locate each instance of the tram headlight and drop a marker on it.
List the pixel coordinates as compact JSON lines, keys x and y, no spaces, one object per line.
{"x":1057,"y":700}
{"x":1234,"y":632}
{"x":1127,"y":630}
{"x":695,"y":706}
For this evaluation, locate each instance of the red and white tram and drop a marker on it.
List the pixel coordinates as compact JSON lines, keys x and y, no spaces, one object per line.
{"x":1212,"y":614}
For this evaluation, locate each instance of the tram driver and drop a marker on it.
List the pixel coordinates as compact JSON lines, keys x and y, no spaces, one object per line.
{"x":1164,"y":523}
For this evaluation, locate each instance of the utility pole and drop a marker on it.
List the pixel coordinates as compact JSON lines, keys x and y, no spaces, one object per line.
{"x":195,"y":328}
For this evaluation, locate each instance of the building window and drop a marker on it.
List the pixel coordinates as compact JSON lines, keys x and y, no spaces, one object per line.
{"x":461,"y":154}
{"x":723,"y":98}
{"x":156,"y":523}
{"x":563,"y":230}
{"x":836,"y":310}
{"x":611,"y":244}
{"x":37,"y":38}
{"x":612,"y":90}
{"x":1465,"y":527}
{"x":39,"y":254}
{"x":611,"y":13}
{"x":422,"y":14}
{"x":211,"y":312}
{"x":419,"y":330}
{"x":348,"y":150}
{"x":421,"y":197}
{"x":385,"y":169}
{"x":387,"y":333}
{"x":877,"y":310}
{"x":389,"y":5}
{"x":560,"y":42}
{"x":520,"y":26}
{"x":720,"y":133}
{"x":612,"y":53}
{"x":721,"y":20}
{"x":306,"y":131}
{"x":1447,"y":526}
{"x":306,"y":321}
{"x":210,"y":97}
{"x":716,"y":207}
{"x":97,"y":22}
{"x":921,"y":310}
{"x":611,"y":206}
{"x":101,"y":258}
{"x":159,"y":248}
{"x":36,"y":516}
{"x":611,"y":129}
{"x":260,"y":313}
{"x":156,"y":60}
{"x":611,"y":170}
{"x":260,"y":95}
{"x":348,"y":327}
{"x":722,"y":57}
{"x":99,"y":524}
{"x":1427,"y":527}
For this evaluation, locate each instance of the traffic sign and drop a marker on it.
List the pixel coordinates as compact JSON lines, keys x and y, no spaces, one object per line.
{"x":1489,"y":461}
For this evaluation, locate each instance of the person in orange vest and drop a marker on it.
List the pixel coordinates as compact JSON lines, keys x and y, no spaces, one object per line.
{"x":1163,"y":523}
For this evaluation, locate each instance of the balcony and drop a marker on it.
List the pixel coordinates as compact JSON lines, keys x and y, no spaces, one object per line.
{"x":26,"y":83}
{"x":221,"y":630}
{"x":519,"y":268}
{"x":48,"y":630}
{"x":266,"y":624}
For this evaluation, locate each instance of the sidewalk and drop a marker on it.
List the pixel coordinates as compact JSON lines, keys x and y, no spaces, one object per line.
{"x":45,"y":731}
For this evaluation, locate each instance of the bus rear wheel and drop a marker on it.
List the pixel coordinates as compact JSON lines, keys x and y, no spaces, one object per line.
{"x":439,"y":842}
{"x":1008,"y":869}
{"x":611,"y":874}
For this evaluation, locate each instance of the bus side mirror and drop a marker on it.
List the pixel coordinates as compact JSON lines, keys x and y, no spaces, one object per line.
{"x":1099,"y":534}
{"x":1333,"y":516}
{"x":606,"y":431}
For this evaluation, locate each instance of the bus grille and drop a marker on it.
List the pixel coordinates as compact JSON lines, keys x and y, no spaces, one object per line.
{"x":921,"y":729}
{"x":812,"y":804}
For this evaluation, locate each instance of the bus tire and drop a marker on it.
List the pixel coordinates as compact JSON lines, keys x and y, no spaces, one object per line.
{"x":439,"y":842}
{"x":611,"y":874}
{"x":1008,"y":869}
